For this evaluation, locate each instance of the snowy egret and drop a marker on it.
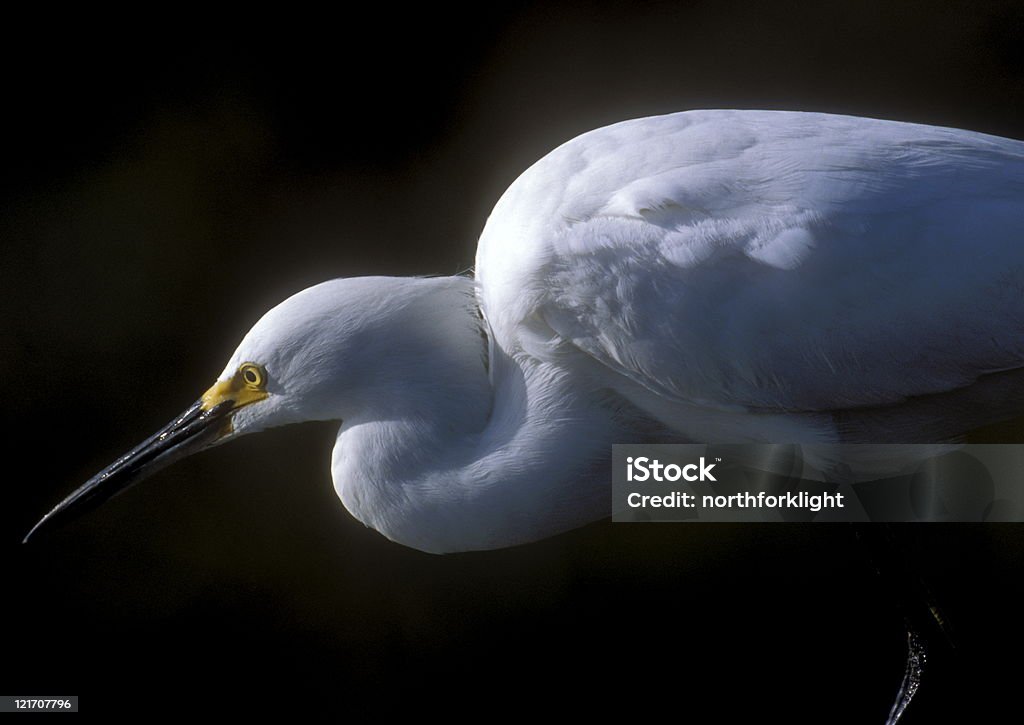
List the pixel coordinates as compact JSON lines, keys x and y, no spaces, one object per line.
{"x":720,"y":276}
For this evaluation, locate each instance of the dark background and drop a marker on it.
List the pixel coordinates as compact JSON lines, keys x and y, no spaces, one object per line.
{"x":165,"y":183}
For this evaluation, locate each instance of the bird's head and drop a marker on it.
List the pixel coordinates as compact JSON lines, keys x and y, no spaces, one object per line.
{"x":308,"y":358}
{"x":319,"y":355}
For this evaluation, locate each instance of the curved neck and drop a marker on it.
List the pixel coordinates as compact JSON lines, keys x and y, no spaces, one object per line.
{"x":468,"y":460}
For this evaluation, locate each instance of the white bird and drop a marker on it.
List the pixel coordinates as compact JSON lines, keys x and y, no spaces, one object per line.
{"x":707,"y":276}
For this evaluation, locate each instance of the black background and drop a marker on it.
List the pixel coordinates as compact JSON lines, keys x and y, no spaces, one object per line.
{"x":167,"y":180}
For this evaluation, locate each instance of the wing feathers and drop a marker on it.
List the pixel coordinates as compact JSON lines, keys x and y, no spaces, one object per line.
{"x":770,"y":260}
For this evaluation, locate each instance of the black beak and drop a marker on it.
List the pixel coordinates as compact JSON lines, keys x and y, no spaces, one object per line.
{"x":191,"y":431}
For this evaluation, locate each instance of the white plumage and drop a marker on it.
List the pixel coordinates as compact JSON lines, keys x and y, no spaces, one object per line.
{"x":710,"y":276}
{"x":768,"y":260}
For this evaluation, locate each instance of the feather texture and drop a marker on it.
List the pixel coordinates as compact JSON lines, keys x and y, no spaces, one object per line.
{"x":768,"y":261}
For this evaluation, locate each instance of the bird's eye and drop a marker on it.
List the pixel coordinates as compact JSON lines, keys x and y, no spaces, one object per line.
{"x":252,"y":374}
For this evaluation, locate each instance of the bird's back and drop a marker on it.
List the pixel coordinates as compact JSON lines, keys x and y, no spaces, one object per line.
{"x":767,"y":261}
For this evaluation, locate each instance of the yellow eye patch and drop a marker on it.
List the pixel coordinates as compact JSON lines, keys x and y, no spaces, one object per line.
{"x":247,"y":385}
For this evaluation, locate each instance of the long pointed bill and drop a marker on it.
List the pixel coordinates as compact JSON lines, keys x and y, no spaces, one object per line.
{"x":199,"y":427}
